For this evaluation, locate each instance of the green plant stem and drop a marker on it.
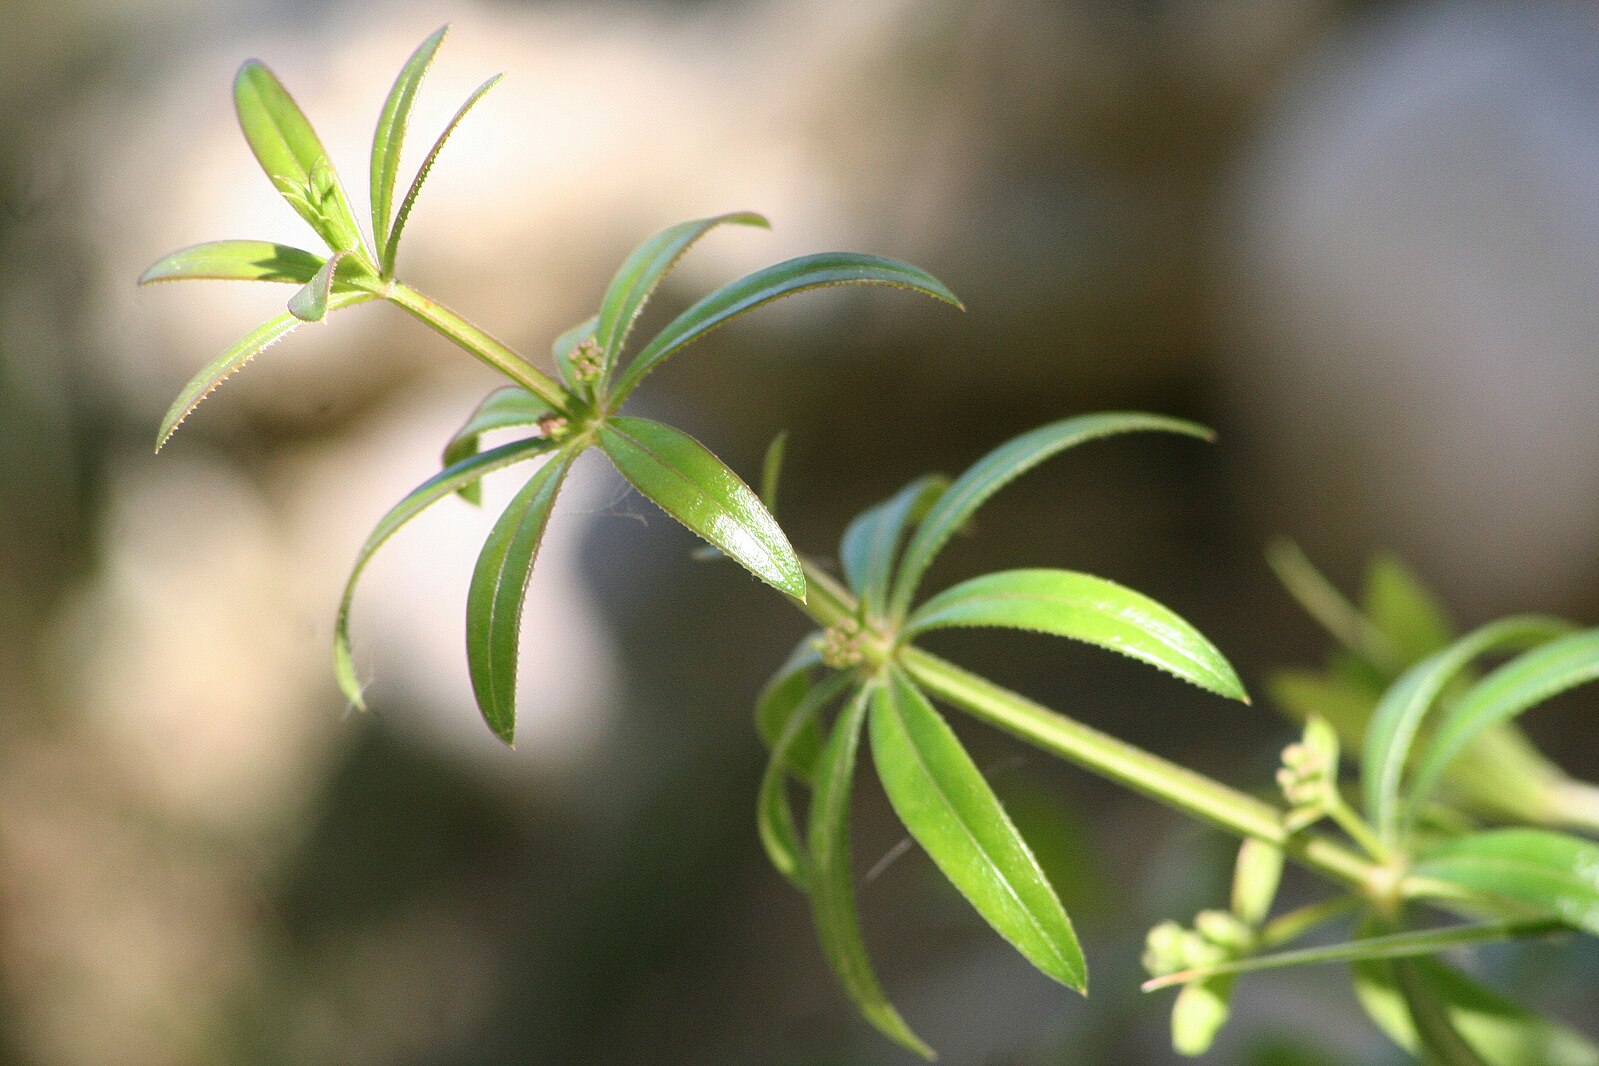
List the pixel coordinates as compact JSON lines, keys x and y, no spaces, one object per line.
{"x":495,"y":353}
{"x":1176,"y":786}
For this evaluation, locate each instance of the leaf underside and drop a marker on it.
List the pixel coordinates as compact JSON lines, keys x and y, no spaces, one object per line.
{"x":498,"y":589}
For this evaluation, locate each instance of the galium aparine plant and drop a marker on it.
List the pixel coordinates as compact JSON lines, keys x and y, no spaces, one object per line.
{"x":1450,"y":830}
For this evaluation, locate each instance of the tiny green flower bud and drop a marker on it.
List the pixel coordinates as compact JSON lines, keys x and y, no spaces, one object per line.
{"x":1163,"y":949}
{"x":1224,"y":930}
{"x":552,"y":427}
{"x":587,"y":361}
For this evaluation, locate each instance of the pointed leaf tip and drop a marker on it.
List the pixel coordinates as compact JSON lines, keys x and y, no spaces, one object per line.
{"x":683,"y":478}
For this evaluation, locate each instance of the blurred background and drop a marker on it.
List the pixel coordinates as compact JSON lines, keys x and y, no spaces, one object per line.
{"x":1360,"y":239}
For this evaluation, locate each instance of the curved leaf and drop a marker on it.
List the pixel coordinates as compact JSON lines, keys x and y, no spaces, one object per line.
{"x":1549,"y":871}
{"x":230,"y":361}
{"x":999,"y":468}
{"x":774,"y":816}
{"x":310,"y":304}
{"x":1404,"y":610}
{"x":288,"y":150}
{"x":1515,"y":687}
{"x":235,"y":261}
{"x":772,"y":470}
{"x":504,"y":408}
{"x":832,"y":888}
{"x":499,"y":585}
{"x":388,"y":140}
{"x":1087,"y":608}
{"x":871,"y":542}
{"x":763,"y":286}
{"x":941,"y":796}
{"x":1399,"y":715}
{"x":696,"y":488}
{"x":1504,"y":1033}
{"x":392,"y":248}
{"x":468,"y":471}
{"x":779,"y":701}
{"x":1441,"y":1043}
{"x":644,"y":269}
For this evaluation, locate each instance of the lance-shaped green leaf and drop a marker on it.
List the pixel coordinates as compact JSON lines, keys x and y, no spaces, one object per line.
{"x":686,"y":481}
{"x":499,"y":585}
{"x":778,"y":703}
{"x":941,"y":796}
{"x":392,"y":249}
{"x":504,"y":408}
{"x":999,"y":468}
{"x":388,"y":140}
{"x":1440,"y":1042}
{"x":1087,"y":608}
{"x":774,"y":815}
{"x":1516,"y":687}
{"x":1545,"y":870}
{"x":562,"y":351}
{"x":1322,"y":601}
{"x":469,"y":470}
{"x":1406,"y":945}
{"x":235,"y":357}
{"x":832,"y":879}
{"x":288,"y":150}
{"x":644,"y":269}
{"x":1399,"y":715}
{"x":235,"y":261}
{"x":763,"y":286}
{"x":1404,"y":610}
{"x":871,"y":543}
{"x":1503,"y":1032}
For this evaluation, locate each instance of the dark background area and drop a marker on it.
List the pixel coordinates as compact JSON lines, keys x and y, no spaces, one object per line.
{"x":1358,"y":239}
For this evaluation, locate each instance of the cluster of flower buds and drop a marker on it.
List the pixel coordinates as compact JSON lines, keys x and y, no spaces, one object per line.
{"x":587,"y":361}
{"x":1217,"y":937}
{"x":552,"y":427}
{"x":840,"y":646}
{"x":1309,"y":774}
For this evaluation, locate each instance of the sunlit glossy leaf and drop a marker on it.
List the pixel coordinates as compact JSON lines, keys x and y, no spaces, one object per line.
{"x":644,"y":269}
{"x":774,"y":815}
{"x":388,"y":140}
{"x":235,"y":261}
{"x":1545,"y":870}
{"x":695,"y":487}
{"x":947,"y":806}
{"x":778,"y":703}
{"x":1503,"y":1032}
{"x":469,"y":470}
{"x":832,"y":881}
{"x":999,"y":468}
{"x":230,"y":361}
{"x":499,"y":586}
{"x":403,"y":216}
{"x":288,"y":150}
{"x":504,"y":408}
{"x":871,"y":542}
{"x":1405,"y":610}
{"x":763,"y":286}
{"x":1516,"y":687}
{"x":1087,"y":608}
{"x":310,"y":304}
{"x":1399,"y":715}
